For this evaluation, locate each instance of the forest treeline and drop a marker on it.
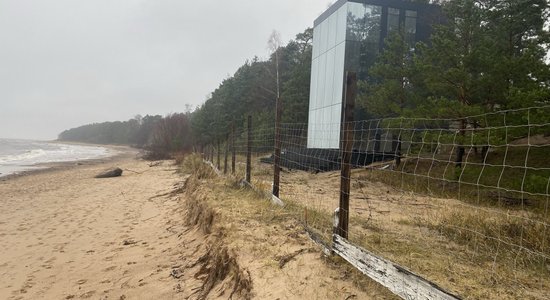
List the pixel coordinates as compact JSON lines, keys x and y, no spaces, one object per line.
{"x":161,"y":135}
{"x":489,"y":55}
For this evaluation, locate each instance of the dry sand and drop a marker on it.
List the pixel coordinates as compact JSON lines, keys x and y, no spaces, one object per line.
{"x":64,"y":234}
{"x":67,"y":235}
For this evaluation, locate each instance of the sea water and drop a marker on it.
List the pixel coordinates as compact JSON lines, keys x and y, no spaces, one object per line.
{"x":23,"y":155}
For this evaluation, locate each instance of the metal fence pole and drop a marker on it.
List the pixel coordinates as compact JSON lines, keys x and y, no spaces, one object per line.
{"x":346,"y":147}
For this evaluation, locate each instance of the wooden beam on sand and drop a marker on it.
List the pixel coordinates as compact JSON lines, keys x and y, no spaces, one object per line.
{"x":397,"y":279}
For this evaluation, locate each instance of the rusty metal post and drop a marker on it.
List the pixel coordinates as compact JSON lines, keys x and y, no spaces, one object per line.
{"x":346,"y":148}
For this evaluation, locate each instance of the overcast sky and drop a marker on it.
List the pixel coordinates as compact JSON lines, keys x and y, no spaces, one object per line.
{"x":65,"y":63}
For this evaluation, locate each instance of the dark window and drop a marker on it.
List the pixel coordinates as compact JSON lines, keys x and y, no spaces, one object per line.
{"x":393,"y":19}
{"x":410,"y":27}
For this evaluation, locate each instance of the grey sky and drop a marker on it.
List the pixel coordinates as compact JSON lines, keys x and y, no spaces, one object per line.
{"x":65,"y":63}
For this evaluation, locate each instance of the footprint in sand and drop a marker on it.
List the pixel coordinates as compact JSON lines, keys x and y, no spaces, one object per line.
{"x":27,"y":285}
{"x":87,"y":294}
{"x":111,"y":268}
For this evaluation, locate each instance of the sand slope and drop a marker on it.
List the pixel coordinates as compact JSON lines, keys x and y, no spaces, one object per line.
{"x":67,"y":235}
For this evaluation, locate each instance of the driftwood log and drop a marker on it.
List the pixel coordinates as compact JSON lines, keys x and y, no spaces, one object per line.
{"x":111,"y":173}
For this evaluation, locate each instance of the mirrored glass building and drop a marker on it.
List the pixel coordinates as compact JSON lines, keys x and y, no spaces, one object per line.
{"x":348,"y":37}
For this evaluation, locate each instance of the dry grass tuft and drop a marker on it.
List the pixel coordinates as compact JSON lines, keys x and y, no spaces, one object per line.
{"x":219,"y":265}
{"x":525,"y":240}
{"x":179,"y":158}
{"x":193,"y":164}
{"x":199,"y":214}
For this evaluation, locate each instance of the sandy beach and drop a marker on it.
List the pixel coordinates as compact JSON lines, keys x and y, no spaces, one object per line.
{"x":65,"y":234}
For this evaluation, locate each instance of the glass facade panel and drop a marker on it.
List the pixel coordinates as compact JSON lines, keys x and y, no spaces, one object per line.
{"x":348,"y":38}
{"x":329,"y":79}
{"x":339,"y":61}
{"x":316,"y":37}
{"x":410,"y":27}
{"x":313,"y":83}
{"x":410,"y":13}
{"x":364,"y":37}
{"x":373,"y":17}
{"x":341,"y":25}
{"x":355,"y":21}
{"x":332,"y":22}
{"x":324,"y":37}
{"x":321,"y":81}
{"x":393,"y":19}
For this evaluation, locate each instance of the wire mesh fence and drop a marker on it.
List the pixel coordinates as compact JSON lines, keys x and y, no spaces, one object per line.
{"x":463,"y":202}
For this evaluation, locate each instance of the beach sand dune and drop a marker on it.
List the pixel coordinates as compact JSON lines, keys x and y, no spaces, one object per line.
{"x":65,"y":234}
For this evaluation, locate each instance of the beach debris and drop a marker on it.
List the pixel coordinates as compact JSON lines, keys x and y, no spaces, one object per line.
{"x":111,"y":173}
{"x":129,"y":242}
{"x":133,"y":171}
{"x":284,"y":259}
{"x":177,"y":273}
{"x":155,"y":163}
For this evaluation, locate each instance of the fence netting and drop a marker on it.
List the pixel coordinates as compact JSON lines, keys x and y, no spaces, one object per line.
{"x":463,"y":202}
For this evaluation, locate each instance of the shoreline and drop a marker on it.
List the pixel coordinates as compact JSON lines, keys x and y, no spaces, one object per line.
{"x":115,"y":153}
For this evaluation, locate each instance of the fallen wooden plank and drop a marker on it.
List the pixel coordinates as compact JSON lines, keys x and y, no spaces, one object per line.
{"x":316,"y":238}
{"x":397,"y":279}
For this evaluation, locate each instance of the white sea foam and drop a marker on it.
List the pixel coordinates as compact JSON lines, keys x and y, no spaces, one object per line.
{"x":18,"y":155}
{"x":18,"y":158}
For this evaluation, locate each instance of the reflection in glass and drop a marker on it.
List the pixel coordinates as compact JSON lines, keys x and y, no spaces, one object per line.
{"x":349,"y":39}
{"x":410,"y":13}
{"x":363,"y":37}
{"x":410,"y":27}
{"x":393,"y":19}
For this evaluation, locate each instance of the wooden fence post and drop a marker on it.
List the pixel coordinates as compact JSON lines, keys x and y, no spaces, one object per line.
{"x":233,"y":148}
{"x":211,"y":153}
{"x":249,"y":150}
{"x":346,"y":147}
{"x":226,"y":154}
{"x":218,"y":156}
{"x":396,"y":147}
{"x":277,"y":152}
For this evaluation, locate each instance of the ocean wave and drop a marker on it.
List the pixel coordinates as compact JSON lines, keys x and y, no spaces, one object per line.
{"x":33,"y":153}
{"x":23,"y":157}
